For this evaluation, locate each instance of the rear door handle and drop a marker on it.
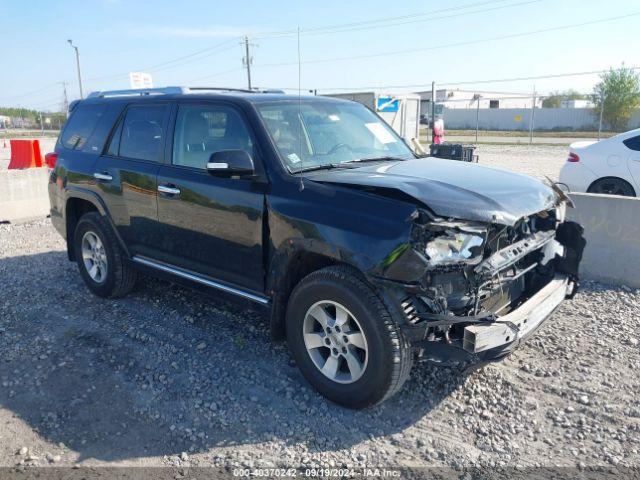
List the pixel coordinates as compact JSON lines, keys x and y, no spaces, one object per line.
{"x":103,"y":176}
{"x":169,"y":190}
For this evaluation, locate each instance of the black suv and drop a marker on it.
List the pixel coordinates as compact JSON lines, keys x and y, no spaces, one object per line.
{"x":366,"y":257}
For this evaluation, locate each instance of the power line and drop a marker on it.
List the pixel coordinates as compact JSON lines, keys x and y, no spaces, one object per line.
{"x":168,"y":64}
{"x":542,"y":77}
{"x":458,"y":44}
{"x":41,"y":89}
{"x":209,"y":49}
{"x":430,"y":19}
{"x":367,"y":23}
{"x":472,"y":82}
{"x":218,"y":74}
{"x":157,"y":69}
{"x":177,"y":62}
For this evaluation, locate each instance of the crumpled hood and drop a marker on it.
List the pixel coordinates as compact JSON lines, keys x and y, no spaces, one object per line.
{"x":451,"y":188}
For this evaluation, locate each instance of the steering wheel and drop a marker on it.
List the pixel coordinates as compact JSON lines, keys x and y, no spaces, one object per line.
{"x":337,"y":147}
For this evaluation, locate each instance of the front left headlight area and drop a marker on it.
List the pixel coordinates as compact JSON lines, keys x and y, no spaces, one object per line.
{"x":454,"y":247}
{"x":435,"y":245}
{"x":453,"y":243}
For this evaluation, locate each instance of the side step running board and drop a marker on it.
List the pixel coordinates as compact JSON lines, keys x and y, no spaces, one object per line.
{"x":195,"y":277}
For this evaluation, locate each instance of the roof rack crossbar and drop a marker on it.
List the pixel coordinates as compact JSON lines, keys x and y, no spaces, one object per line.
{"x":172,"y":90}
{"x":227,"y":89}
{"x":138,"y":91}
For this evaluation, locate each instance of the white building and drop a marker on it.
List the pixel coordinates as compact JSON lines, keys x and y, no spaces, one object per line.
{"x":5,"y":121}
{"x":576,"y":104}
{"x":468,"y":99}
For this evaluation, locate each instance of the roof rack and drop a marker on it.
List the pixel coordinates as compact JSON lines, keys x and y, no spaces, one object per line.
{"x":165,"y":91}
{"x":138,"y":91}
{"x":200,"y":89}
{"x":173,"y":91}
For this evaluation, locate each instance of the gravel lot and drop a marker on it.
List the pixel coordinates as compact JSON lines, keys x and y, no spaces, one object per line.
{"x":168,"y":376}
{"x":536,"y":160}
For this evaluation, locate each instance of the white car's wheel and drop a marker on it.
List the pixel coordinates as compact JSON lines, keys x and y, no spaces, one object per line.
{"x":612,"y":186}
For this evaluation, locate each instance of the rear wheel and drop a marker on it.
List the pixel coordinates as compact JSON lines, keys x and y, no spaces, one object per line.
{"x":344,"y":340}
{"x":612,"y":186}
{"x":100,"y":259}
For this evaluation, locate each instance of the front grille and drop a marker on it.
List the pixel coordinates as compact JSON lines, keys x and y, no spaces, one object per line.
{"x":512,"y":265}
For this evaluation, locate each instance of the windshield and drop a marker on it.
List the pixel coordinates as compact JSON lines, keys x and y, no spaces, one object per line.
{"x":320,"y":134}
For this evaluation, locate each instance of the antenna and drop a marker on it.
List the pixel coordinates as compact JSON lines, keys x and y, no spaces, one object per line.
{"x":300,"y":113}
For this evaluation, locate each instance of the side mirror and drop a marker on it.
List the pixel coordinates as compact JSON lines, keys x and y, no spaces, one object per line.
{"x":230,"y":163}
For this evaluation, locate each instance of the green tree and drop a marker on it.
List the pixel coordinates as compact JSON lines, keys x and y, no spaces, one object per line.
{"x":618,"y":95}
{"x":554,"y":98}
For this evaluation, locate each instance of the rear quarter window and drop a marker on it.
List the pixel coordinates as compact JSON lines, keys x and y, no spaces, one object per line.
{"x":81,"y":125}
{"x":633,"y":143}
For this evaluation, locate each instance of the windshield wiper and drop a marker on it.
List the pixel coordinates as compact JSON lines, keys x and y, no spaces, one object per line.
{"x":385,"y":158}
{"x":346,"y":164}
{"x":326,"y":166}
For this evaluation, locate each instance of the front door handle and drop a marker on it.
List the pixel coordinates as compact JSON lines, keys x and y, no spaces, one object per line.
{"x":168,"y":189}
{"x":103,"y":176}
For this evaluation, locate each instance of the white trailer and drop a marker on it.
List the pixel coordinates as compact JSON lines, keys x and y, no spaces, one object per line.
{"x":401,"y":111}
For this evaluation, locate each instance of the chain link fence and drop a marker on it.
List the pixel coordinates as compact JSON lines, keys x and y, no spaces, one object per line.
{"x":486,"y":117}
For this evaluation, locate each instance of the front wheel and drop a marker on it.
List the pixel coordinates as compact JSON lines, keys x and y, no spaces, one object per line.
{"x":344,"y":340}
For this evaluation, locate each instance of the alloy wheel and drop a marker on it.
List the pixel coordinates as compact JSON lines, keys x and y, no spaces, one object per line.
{"x":94,"y":257}
{"x":335,"y":342}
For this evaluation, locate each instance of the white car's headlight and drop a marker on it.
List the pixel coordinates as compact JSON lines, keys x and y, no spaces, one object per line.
{"x":452,"y":247}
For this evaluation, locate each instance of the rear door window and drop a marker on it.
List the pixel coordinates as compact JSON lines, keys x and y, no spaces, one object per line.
{"x":142,"y":133}
{"x":81,"y":125}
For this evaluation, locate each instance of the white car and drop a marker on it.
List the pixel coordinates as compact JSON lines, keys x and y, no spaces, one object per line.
{"x":610,"y":166}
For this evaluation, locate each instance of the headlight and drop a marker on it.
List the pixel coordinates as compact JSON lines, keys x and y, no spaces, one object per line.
{"x":452,"y":247}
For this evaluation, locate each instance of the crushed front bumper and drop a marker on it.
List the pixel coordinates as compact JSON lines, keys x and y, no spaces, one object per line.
{"x":491,"y":340}
{"x":519,"y":324}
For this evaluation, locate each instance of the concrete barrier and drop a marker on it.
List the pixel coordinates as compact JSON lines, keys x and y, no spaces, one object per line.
{"x":23,"y":194}
{"x":612,"y":230}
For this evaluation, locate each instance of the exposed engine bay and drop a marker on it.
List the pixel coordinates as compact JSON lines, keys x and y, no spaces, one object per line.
{"x":476,"y":274}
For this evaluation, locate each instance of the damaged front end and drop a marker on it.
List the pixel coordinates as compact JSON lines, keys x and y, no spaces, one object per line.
{"x":472,"y":292}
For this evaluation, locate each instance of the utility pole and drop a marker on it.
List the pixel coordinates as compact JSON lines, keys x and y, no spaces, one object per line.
{"x":602,"y":97}
{"x":533,"y":114}
{"x":477,"y":97}
{"x":77,"y":65}
{"x":65,"y":100}
{"x":433,"y":112}
{"x":41,"y":125}
{"x":247,"y":60}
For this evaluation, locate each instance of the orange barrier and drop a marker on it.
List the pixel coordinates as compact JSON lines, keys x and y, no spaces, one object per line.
{"x":25,"y":154}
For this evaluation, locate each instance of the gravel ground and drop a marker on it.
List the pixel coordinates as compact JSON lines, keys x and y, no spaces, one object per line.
{"x":536,"y":160}
{"x":168,"y":376}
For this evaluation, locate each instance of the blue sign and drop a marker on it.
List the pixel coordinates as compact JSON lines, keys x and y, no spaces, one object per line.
{"x":387,"y":104}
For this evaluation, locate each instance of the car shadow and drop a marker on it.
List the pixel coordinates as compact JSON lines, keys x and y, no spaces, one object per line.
{"x":167,"y":370}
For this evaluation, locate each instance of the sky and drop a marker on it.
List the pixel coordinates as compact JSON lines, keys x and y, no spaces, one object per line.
{"x":402,"y":45}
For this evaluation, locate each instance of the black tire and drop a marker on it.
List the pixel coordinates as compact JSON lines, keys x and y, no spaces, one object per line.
{"x":389,"y":353}
{"x":612,"y":186}
{"x":120,"y":278}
